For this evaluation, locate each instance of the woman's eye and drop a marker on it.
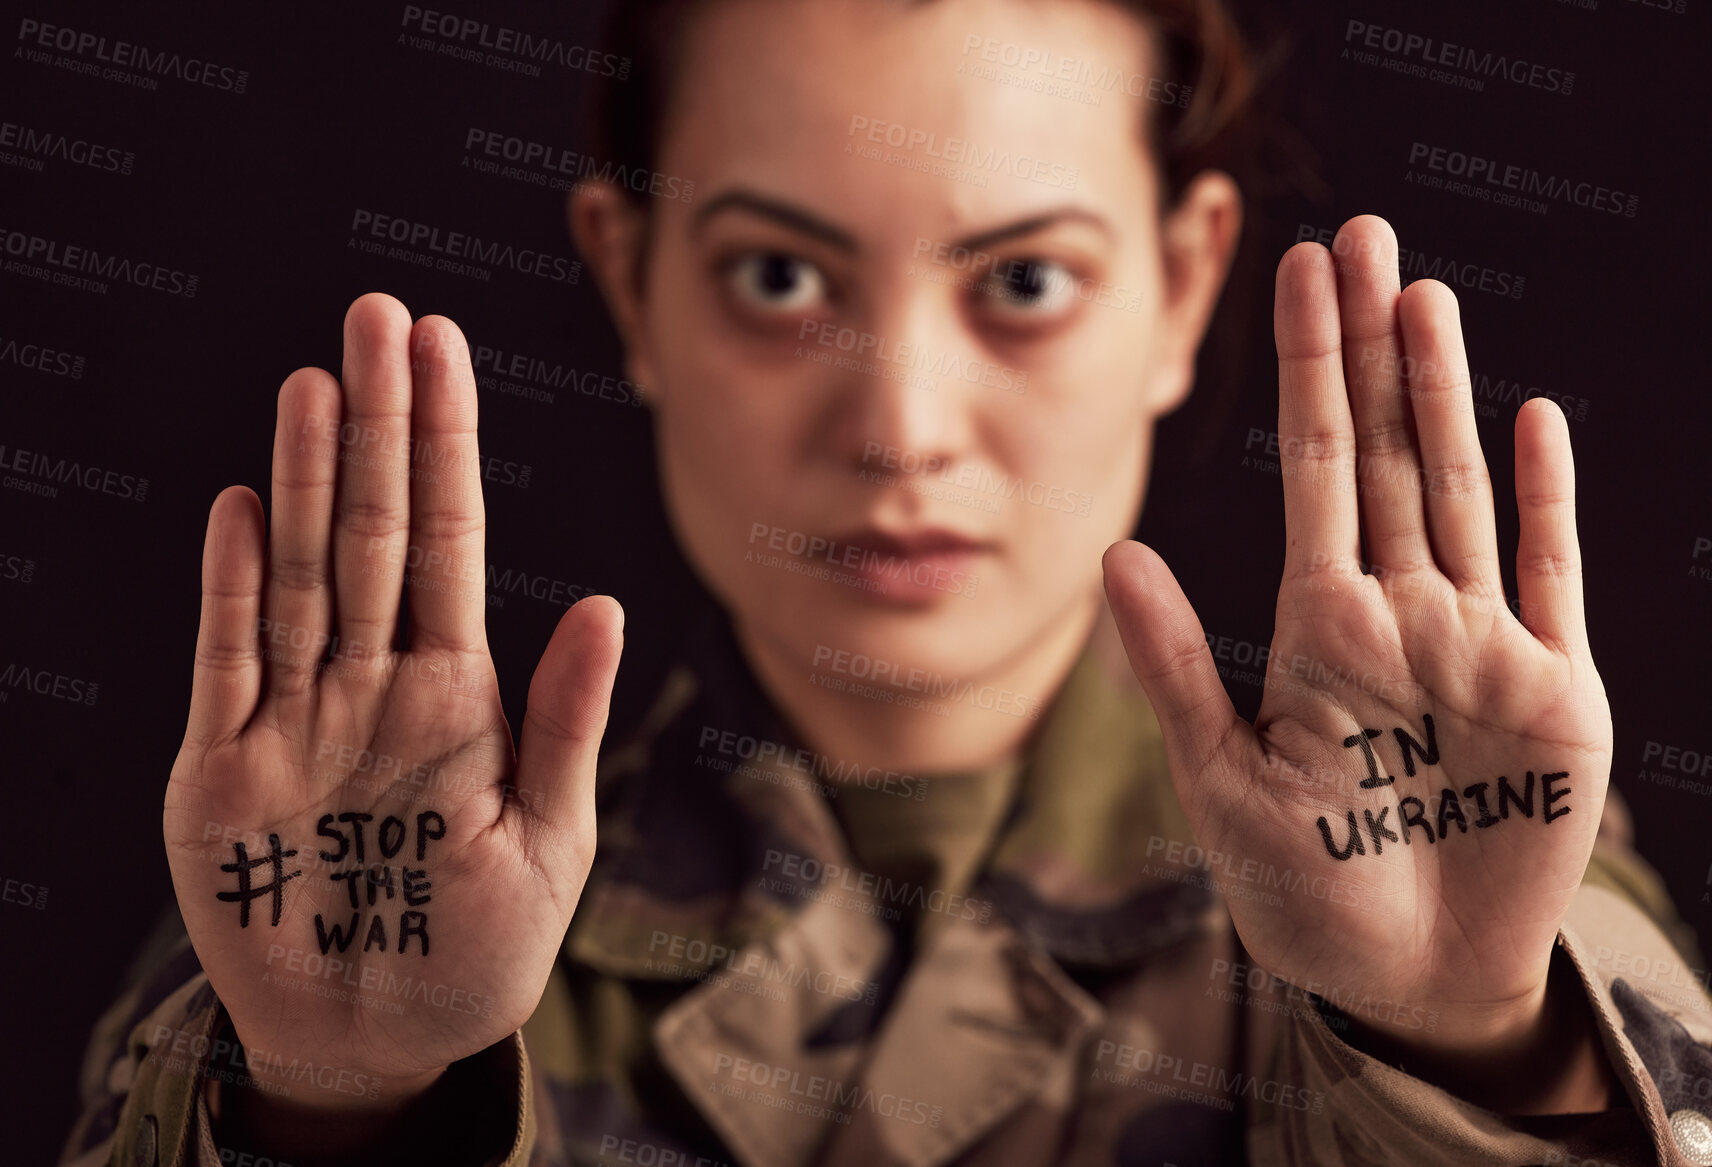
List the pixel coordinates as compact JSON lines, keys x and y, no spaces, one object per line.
{"x":1031,"y":287}
{"x":776,"y":282}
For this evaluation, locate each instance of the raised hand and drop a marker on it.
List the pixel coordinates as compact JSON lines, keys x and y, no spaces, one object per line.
{"x":376,"y":883}
{"x":1443,"y":759}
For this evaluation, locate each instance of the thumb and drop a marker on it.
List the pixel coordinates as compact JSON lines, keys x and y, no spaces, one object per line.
{"x":570,"y":696}
{"x":1206,"y":743}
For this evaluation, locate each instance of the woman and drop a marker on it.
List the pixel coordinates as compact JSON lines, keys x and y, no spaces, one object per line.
{"x":901,"y":866}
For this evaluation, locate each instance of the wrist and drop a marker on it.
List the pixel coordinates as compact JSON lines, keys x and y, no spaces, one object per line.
{"x":307,"y":1126}
{"x":305,"y":1111}
{"x":325,"y":1089}
{"x":1537,"y":1054}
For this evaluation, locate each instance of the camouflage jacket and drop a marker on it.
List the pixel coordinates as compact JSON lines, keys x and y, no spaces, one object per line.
{"x":733,"y":988}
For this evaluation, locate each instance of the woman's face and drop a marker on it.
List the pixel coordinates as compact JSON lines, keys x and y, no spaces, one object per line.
{"x":907,"y":343}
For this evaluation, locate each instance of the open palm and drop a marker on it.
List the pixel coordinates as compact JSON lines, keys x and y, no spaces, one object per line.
{"x":372,"y":878}
{"x":1444,"y":760}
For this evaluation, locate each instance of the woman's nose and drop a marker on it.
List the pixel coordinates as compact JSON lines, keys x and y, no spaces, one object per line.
{"x":898,"y":388}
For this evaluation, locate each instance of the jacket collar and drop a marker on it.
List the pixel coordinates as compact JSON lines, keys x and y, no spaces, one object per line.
{"x":715,"y":829}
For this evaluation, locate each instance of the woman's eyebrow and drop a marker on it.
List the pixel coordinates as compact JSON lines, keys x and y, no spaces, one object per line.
{"x":810,"y":224}
{"x":780,"y":212}
{"x":1037,"y":222}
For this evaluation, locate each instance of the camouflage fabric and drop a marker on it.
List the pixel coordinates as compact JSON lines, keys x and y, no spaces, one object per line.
{"x":736,"y":988}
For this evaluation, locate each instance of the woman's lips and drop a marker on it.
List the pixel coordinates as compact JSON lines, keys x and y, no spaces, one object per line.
{"x":913,"y":567}
{"x":922,"y":541}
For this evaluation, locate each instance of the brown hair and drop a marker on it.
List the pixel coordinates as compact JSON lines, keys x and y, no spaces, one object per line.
{"x":1200,"y":50}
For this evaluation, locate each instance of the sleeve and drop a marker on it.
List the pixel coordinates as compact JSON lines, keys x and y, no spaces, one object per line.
{"x":161,"y":1052}
{"x":1626,"y":946}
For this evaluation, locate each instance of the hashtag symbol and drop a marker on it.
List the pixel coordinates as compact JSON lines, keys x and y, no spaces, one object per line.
{"x":246,"y":892}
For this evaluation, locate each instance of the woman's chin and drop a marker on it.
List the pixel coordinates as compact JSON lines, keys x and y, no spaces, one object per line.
{"x":884,"y":642}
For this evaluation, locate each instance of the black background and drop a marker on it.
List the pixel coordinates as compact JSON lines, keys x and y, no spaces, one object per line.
{"x":254,"y":193}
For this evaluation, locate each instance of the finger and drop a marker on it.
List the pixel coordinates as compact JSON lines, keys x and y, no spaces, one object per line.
{"x":298,"y":603}
{"x":372,"y":534}
{"x":227,"y":680}
{"x":1548,"y":554}
{"x":1393,"y":520}
{"x":448,"y":596}
{"x":1315,"y":434}
{"x":569,"y":699}
{"x":1208,"y":745}
{"x":1460,"y":524}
